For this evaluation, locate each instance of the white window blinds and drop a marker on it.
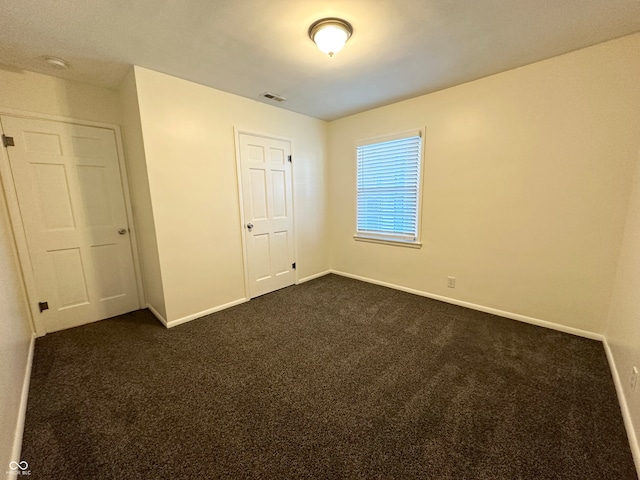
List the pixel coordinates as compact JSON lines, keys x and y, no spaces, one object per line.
{"x":388,"y":188}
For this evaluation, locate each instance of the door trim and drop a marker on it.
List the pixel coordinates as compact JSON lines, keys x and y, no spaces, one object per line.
{"x":245,"y":259}
{"x":15,"y":217}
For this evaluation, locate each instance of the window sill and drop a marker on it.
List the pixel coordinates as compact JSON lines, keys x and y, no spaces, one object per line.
{"x":396,"y":243}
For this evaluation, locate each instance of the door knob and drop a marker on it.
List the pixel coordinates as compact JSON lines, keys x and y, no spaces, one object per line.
{"x":249,"y":226}
{"x":122,"y":231}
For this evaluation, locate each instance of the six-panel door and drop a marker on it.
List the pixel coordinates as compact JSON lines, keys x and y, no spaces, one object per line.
{"x":268,"y":212}
{"x":70,"y":194}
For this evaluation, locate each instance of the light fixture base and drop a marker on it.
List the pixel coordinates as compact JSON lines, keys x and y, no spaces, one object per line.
{"x":56,"y":63}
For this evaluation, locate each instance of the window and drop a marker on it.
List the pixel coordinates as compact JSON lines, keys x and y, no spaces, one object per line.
{"x":389,"y":188}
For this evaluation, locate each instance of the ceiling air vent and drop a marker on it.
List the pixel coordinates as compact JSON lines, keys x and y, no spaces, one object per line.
{"x":273,"y":96}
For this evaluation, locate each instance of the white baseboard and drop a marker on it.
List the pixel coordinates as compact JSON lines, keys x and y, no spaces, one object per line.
{"x":188,"y":318}
{"x":22,"y":411}
{"x":626,"y":416}
{"x":481,"y":308}
{"x":156,"y":314}
{"x":313,"y":277}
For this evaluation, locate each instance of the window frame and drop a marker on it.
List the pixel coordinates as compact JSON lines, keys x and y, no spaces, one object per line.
{"x":381,"y":238}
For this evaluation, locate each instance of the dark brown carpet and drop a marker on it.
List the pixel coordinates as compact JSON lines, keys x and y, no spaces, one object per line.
{"x":334,"y":378}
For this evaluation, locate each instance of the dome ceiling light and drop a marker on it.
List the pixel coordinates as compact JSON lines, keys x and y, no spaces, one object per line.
{"x":330,"y":34}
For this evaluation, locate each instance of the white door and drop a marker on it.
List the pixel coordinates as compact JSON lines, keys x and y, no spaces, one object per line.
{"x":69,"y":189}
{"x":268,"y":212}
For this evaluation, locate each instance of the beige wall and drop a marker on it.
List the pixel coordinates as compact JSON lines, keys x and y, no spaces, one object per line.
{"x":141,"y":195}
{"x":36,"y":93}
{"x":15,"y":337}
{"x":189,"y":143}
{"x":623,"y":329}
{"x":526,"y":180}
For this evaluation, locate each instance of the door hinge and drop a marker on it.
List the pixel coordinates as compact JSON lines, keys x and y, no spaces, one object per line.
{"x":8,"y":141}
{"x":289,"y":158}
{"x":293,"y":265}
{"x":43,"y":306}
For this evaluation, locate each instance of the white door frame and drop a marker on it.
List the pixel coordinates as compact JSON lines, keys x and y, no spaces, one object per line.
{"x":245,"y":259}
{"x":17,"y":225}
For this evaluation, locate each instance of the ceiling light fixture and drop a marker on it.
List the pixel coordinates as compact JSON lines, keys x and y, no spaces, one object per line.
{"x":330,"y":34}
{"x":56,"y":62}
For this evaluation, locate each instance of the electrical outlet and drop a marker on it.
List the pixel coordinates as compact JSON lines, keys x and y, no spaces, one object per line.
{"x":451,"y":282}
{"x":634,"y":378}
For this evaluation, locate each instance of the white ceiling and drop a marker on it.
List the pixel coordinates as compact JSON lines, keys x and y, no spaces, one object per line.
{"x":399,"y":48}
